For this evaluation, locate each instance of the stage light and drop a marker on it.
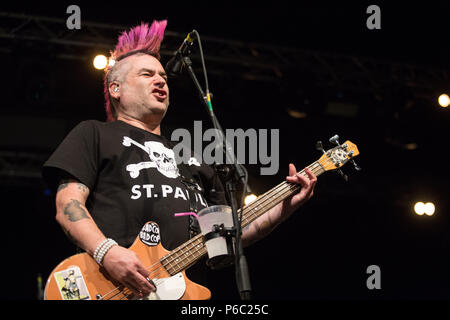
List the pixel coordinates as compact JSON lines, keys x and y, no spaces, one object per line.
{"x":100,"y":62}
{"x":444,"y":100}
{"x":249,"y":199}
{"x":429,"y":208}
{"x":419,"y":208}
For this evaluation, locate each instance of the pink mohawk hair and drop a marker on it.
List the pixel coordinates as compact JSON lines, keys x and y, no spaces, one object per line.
{"x":140,"y":39}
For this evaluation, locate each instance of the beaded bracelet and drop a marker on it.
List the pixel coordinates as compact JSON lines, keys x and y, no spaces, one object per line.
{"x":98,"y":249}
{"x":102,"y":249}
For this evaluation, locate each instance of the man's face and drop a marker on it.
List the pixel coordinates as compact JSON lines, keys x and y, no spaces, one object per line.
{"x":144,"y":92}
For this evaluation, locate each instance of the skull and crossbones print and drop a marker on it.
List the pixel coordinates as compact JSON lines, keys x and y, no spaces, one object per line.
{"x":161,"y":158}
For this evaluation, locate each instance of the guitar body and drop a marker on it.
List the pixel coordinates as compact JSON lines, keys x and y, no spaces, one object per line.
{"x":79,"y":277}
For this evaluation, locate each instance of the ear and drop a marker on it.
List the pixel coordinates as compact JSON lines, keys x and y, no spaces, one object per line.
{"x":114,"y":90}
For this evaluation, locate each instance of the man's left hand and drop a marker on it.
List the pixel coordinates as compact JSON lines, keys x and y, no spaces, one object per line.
{"x":306,"y":192}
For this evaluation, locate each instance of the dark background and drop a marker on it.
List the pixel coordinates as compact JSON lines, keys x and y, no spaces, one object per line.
{"x":263,"y":60}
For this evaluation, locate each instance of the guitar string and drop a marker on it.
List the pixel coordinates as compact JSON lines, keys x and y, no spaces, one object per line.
{"x":123,"y":294}
{"x":289,"y":187}
{"x":123,"y":291}
{"x":252,"y":207}
{"x":248,"y":215}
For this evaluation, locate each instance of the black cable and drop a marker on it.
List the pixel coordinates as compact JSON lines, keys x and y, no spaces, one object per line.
{"x":205,"y":75}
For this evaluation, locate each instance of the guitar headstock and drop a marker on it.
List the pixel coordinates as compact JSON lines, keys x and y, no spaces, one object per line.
{"x":336,"y":157}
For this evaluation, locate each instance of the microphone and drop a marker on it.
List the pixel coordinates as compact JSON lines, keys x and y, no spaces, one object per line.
{"x":175,"y":65}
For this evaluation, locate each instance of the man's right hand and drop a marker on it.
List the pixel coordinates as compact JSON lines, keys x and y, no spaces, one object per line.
{"x":121,"y":264}
{"x":124,"y":266}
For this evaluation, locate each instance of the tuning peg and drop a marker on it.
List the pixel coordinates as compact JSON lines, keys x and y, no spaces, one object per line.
{"x":319,"y":146}
{"x":342,"y":174}
{"x":335,"y":139}
{"x":357,"y":168}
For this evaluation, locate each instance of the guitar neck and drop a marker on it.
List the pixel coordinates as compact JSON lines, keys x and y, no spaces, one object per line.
{"x":188,"y":253}
{"x":274,"y":196}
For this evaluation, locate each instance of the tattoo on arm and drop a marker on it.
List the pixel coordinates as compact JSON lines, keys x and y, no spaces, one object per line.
{"x":74,"y":211}
{"x":62,"y":185}
{"x":82,"y":187}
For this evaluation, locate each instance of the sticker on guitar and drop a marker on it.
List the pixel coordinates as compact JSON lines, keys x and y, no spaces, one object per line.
{"x":71,"y":284}
{"x":150,"y":234}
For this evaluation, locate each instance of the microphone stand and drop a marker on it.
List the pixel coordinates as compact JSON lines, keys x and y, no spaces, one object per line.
{"x":232,"y":175}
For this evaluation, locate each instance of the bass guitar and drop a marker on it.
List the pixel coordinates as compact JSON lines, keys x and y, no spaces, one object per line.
{"x":79,"y":277}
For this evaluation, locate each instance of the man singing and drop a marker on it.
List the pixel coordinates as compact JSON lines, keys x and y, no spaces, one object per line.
{"x":114,"y":176}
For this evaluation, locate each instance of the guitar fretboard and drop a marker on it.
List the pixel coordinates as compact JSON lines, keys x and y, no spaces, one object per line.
{"x":188,"y":253}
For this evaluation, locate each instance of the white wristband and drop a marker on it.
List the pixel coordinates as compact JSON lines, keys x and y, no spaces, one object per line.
{"x":102,"y":249}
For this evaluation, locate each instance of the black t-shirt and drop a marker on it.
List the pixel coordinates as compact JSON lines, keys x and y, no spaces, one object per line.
{"x":133,"y":178}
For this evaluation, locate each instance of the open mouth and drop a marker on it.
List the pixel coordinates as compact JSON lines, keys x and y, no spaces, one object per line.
{"x":159,"y":94}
